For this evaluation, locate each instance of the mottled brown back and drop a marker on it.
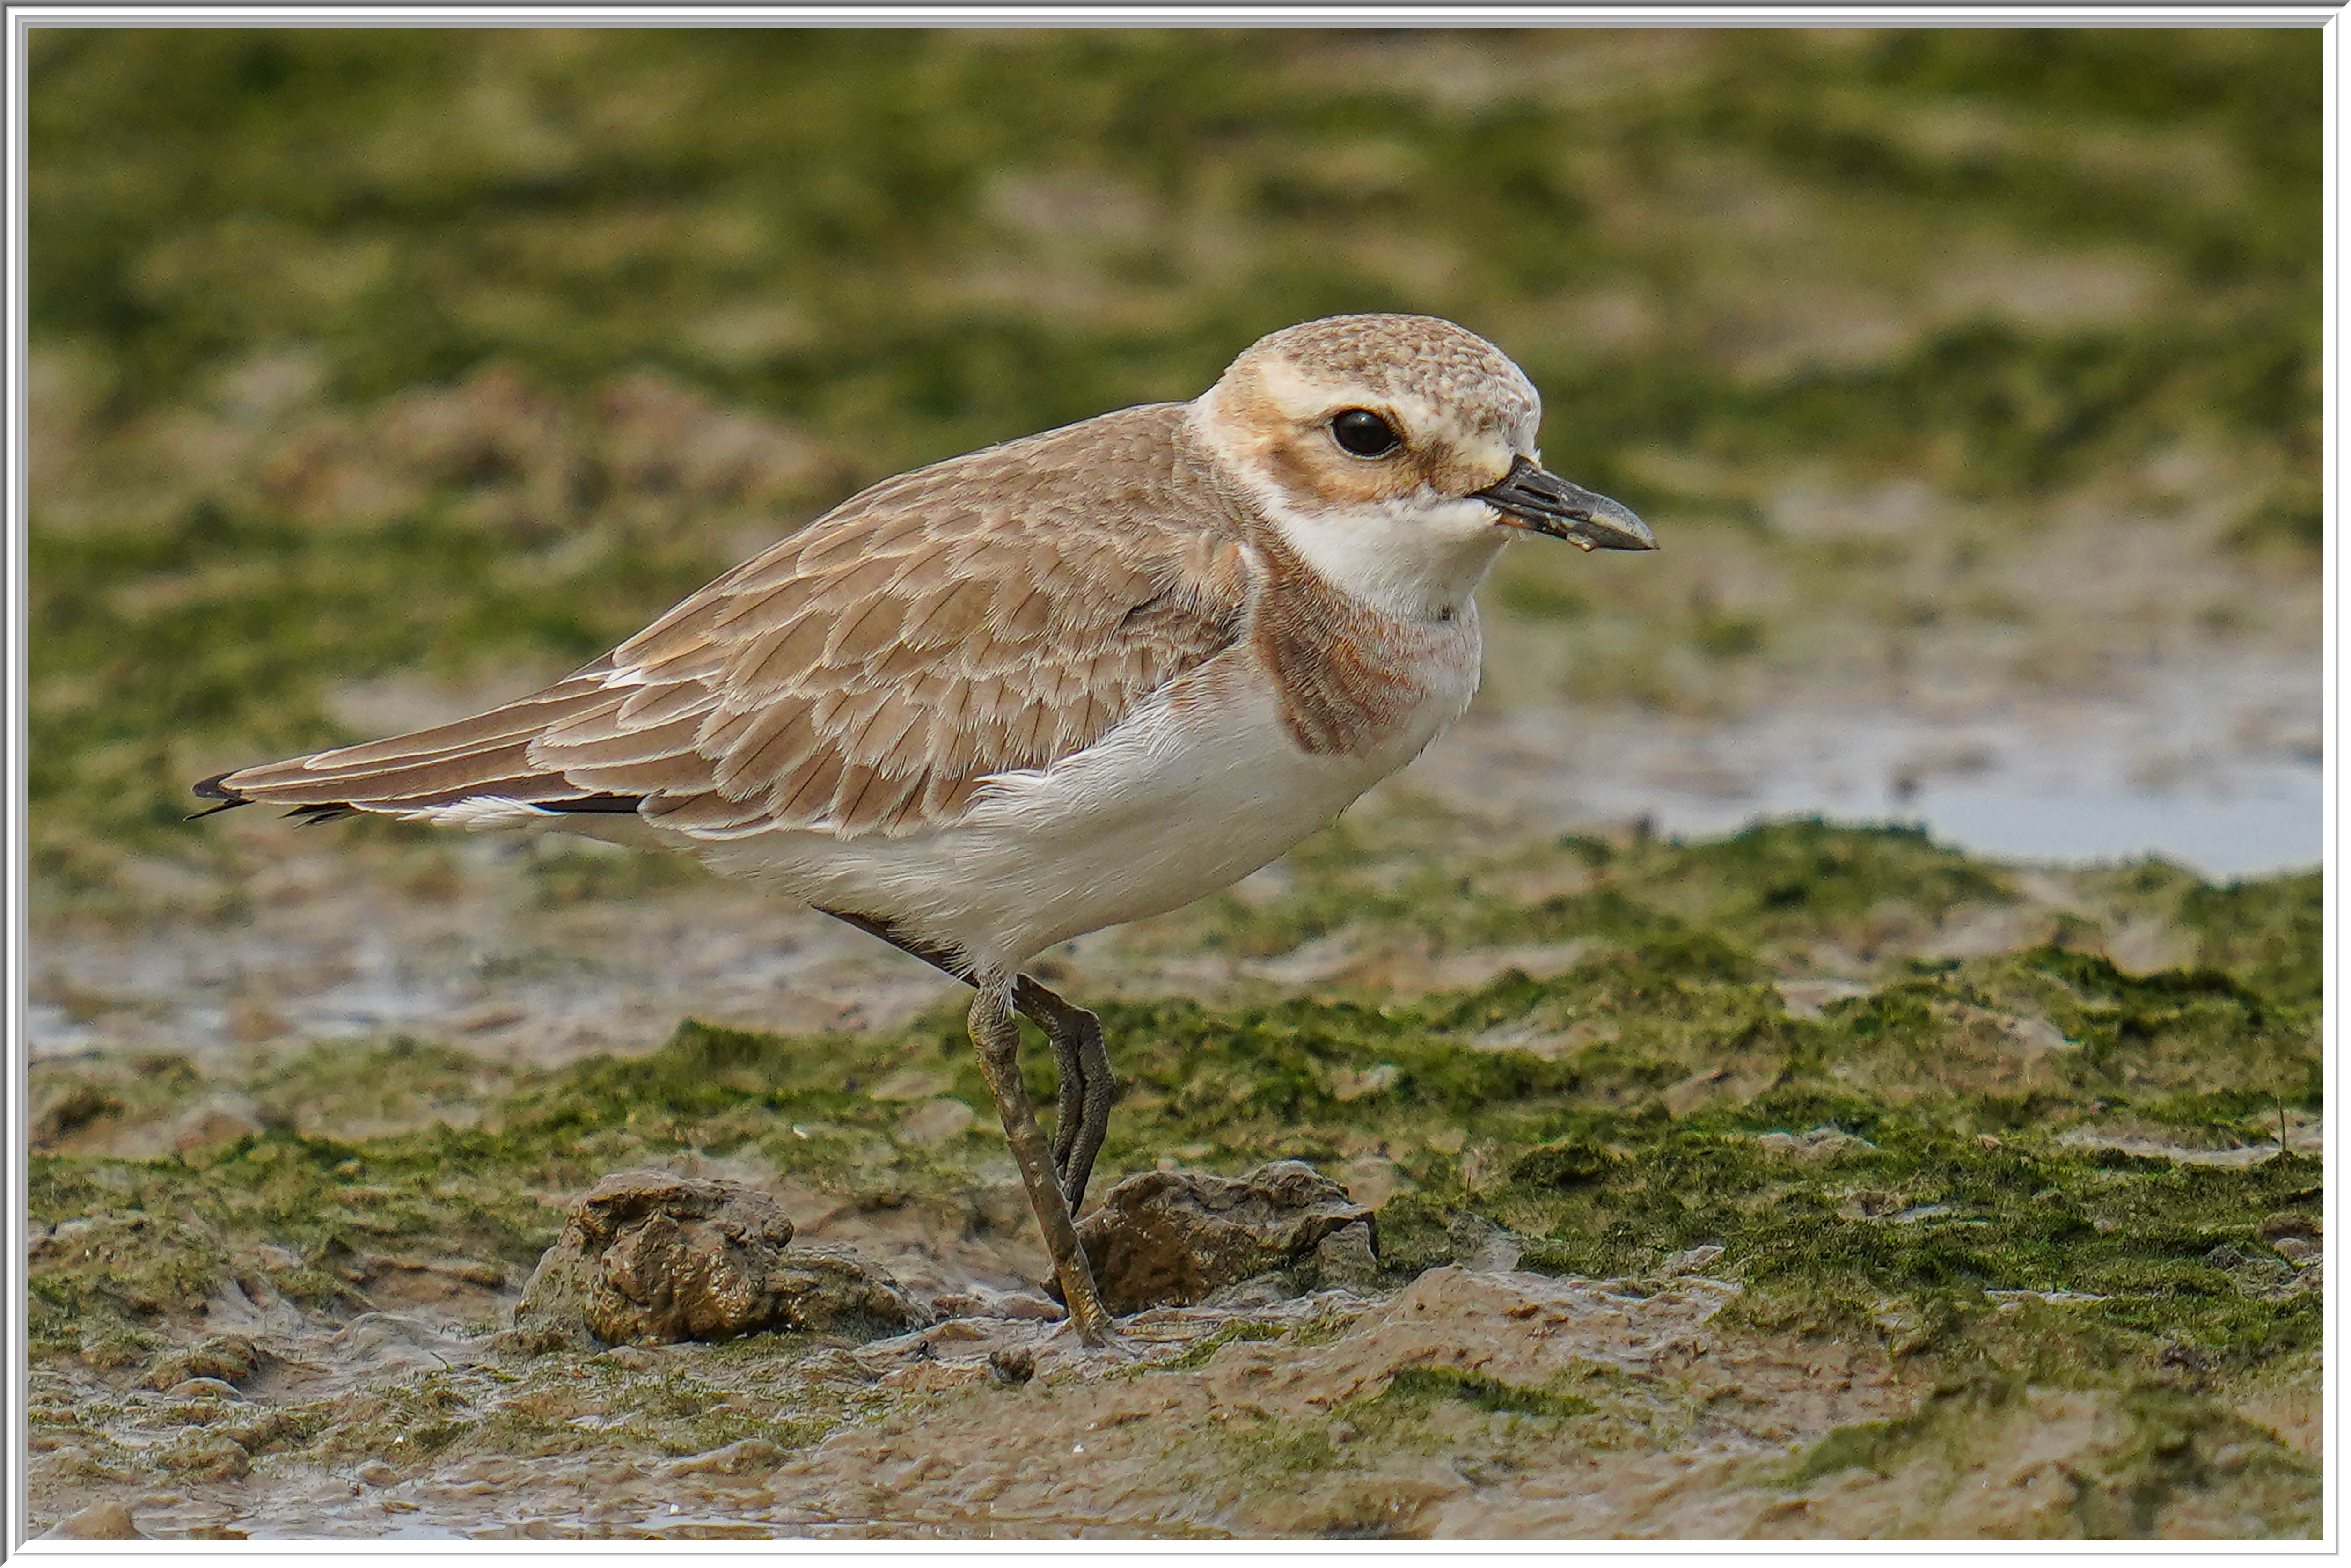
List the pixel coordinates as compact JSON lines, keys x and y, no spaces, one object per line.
{"x":997,"y":611}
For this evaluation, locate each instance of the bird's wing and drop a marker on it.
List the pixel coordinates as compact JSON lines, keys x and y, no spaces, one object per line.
{"x":992,"y":613}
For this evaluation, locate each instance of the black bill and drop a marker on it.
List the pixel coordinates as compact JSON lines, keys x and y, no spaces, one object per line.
{"x":1533,"y":498}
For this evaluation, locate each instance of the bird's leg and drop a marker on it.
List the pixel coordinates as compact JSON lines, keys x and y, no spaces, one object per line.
{"x":997,"y":1035}
{"x":1069,"y":1091}
{"x":1081,"y":1061}
{"x":1084,"y":1115}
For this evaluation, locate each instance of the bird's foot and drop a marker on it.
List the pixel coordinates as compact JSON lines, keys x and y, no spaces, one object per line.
{"x":996,"y":1032}
{"x":1088,"y":1085}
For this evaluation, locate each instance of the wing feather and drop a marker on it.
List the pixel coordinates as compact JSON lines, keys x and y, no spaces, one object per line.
{"x":989,"y":614}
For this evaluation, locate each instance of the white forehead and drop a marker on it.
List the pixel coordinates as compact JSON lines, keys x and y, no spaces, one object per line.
{"x":1439,"y":380}
{"x":1467,"y":424}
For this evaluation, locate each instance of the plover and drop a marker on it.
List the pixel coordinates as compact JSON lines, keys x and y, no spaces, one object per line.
{"x":1061,"y":683}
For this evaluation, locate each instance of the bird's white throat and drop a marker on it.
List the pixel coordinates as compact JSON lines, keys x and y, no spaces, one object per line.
{"x":1413,"y":558}
{"x":1412,"y":562}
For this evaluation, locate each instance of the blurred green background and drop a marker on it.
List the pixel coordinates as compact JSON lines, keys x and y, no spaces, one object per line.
{"x":470,"y":350}
{"x":1969,"y":378}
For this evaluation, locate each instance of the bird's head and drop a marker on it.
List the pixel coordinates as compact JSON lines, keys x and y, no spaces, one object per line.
{"x":1397,"y":454}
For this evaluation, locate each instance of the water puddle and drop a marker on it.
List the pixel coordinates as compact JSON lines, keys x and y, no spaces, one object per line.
{"x":2267,"y":821}
{"x":2218,"y":770}
{"x":2275,"y":822}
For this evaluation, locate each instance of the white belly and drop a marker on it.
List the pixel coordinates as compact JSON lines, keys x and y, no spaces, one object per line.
{"x":1182,"y":799}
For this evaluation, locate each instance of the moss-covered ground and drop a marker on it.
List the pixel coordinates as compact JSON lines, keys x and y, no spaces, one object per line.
{"x":460,"y":355}
{"x":1961,"y":371}
{"x":2023,"y":1170}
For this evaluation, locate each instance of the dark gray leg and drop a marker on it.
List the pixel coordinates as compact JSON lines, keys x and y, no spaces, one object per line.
{"x":1086,"y":1088}
{"x":1087,"y":1092}
{"x":997,"y":1035}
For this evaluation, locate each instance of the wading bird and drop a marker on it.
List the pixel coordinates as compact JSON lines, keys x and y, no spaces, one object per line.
{"x":1073,"y":679}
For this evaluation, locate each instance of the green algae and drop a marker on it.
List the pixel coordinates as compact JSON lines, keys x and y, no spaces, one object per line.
{"x":1429,"y":1383}
{"x":1486,"y":1429}
{"x":1042,"y":226}
{"x":1198,"y":1352}
{"x":1682,"y":908}
{"x":2164,"y":1447}
{"x":1039,"y":226}
{"x":1902,"y":1147}
{"x":2266,"y":930}
{"x":1901,"y":1207}
{"x":399,"y":1080}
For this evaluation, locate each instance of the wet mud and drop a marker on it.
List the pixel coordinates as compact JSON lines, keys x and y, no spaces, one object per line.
{"x":1696,"y":1168}
{"x":1821,"y":1182}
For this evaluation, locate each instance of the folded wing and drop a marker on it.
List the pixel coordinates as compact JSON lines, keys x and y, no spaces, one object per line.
{"x":993,"y":613}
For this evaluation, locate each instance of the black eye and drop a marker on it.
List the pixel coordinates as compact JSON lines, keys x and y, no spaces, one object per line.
{"x":1363,"y":433}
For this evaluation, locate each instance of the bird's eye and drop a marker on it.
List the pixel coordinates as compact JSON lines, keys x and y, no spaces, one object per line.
{"x":1364,"y":434}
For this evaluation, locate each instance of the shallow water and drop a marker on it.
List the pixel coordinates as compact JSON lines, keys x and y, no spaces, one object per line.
{"x":2264,"y":821}
{"x":2273,"y":822}
{"x":2217,"y":769}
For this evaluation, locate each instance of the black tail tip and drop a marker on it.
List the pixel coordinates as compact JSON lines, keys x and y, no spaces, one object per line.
{"x":212,"y":788}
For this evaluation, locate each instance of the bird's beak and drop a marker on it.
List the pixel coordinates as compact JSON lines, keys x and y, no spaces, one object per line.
{"x":1532,"y":496}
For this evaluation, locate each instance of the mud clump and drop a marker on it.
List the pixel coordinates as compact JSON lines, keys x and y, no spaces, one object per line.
{"x":1171,"y":1238}
{"x":231,"y":1359}
{"x":98,"y":1521}
{"x":648,"y":1258}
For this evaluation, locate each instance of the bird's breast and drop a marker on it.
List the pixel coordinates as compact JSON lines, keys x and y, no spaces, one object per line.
{"x":1352,"y":681}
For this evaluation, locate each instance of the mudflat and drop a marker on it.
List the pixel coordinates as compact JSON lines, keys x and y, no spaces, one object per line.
{"x":1726,"y":1178}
